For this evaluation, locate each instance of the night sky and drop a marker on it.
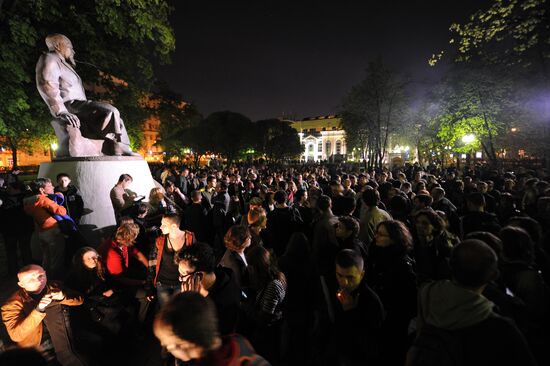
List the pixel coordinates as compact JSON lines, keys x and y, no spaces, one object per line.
{"x":297,"y":58}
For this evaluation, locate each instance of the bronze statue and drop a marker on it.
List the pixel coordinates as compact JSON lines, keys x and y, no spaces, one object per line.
{"x":83,"y":127}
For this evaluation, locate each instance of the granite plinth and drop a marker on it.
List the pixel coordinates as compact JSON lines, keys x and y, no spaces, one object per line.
{"x":95,"y":177}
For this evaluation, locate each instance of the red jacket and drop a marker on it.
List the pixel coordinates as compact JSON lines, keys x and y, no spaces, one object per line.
{"x":116,"y":258}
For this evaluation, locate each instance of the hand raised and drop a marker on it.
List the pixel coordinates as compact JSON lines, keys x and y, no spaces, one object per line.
{"x":44,"y":301}
{"x":108,"y":293}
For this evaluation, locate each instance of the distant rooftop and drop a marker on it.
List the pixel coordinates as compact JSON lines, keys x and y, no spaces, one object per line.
{"x":332,"y":116}
{"x":320,"y":123}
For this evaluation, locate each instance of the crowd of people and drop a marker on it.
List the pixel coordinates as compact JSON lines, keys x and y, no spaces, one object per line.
{"x":290,"y":265}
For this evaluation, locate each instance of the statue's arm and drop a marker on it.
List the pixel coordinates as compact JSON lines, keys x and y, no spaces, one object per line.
{"x":48,"y":83}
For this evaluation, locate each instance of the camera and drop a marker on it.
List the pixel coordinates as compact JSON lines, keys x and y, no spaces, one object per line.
{"x":53,"y":287}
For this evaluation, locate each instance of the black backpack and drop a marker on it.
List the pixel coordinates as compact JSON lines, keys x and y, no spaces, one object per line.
{"x":436,"y":347}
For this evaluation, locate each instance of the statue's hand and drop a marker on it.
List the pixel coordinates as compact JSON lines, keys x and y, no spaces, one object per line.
{"x":71,"y":119}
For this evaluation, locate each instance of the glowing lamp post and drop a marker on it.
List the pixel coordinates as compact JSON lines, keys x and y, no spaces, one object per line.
{"x":53,"y":147}
{"x":469,"y":138}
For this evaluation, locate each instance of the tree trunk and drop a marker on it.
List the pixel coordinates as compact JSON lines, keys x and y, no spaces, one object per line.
{"x":13,"y":149}
{"x":14,"y":156}
{"x":491,"y":147}
{"x":196,"y":160}
{"x":492,"y":157}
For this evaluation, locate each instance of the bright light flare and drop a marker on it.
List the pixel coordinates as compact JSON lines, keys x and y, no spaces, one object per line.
{"x":468,"y":138}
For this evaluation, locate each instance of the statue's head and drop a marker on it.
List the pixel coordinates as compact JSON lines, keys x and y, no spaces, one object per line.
{"x":62,"y":45}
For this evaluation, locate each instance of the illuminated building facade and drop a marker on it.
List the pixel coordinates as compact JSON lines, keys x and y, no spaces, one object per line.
{"x":322,"y":138}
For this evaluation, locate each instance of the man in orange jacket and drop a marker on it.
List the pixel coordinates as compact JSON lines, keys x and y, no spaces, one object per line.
{"x":36,"y":305}
{"x":52,"y":241}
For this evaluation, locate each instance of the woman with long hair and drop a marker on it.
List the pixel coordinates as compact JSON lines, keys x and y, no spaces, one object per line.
{"x":266,"y":309}
{"x":128,"y":280}
{"x":432,"y":246}
{"x":390,"y":273}
{"x":88,"y":277}
{"x":157,"y":206}
{"x":88,"y":273}
{"x":257,"y":222}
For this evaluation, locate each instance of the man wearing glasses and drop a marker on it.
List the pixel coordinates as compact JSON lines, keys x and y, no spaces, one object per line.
{"x":198,"y":273}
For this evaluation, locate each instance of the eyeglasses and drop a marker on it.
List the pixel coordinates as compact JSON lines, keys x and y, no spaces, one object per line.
{"x":184,"y":278}
{"x":176,"y":347}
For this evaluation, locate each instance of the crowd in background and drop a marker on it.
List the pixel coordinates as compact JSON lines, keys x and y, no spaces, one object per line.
{"x":291,"y":265}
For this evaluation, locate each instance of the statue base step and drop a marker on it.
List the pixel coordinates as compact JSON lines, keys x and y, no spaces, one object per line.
{"x":95,"y":177}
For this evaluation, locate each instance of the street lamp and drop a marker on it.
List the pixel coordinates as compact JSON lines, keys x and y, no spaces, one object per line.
{"x":468,"y":138}
{"x":53,"y":148}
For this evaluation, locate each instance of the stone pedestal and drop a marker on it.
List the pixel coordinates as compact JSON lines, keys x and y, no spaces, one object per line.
{"x":95,"y":177}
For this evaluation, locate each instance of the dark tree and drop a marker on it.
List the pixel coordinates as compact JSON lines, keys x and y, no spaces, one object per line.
{"x":277,"y":140}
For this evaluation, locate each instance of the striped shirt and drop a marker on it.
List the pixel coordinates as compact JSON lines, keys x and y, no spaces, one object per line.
{"x":269,"y":300}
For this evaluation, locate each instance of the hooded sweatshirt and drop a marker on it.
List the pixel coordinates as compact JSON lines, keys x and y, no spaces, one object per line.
{"x":446,"y":305}
{"x":486,"y":338}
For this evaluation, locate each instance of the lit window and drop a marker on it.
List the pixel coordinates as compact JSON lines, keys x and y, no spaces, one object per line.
{"x":320,"y":147}
{"x":338,"y":147}
{"x":328,"y":148}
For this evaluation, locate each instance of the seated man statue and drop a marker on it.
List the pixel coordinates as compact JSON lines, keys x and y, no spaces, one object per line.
{"x":78,"y":121}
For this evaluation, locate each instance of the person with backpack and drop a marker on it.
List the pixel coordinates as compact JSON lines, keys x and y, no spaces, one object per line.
{"x":457,"y":324}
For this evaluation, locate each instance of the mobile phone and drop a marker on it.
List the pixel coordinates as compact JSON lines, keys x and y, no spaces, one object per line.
{"x":139,"y":198}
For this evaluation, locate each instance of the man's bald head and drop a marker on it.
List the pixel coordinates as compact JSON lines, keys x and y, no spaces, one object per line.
{"x":32,"y":278}
{"x":62,"y":45}
{"x":473,"y":263}
{"x":55,"y":41}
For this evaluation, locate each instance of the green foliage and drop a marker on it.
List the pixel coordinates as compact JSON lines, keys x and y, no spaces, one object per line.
{"x":117,"y":36}
{"x":511,"y":32}
{"x":476,"y":101}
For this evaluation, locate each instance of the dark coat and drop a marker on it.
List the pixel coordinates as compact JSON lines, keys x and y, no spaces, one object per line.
{"x":432,"y":259}
{"x":226,"y":295}
{"x":281,"y":223}
{"x":357,"y":331}
{"x":73,"y":202}
{"x":479,"y":221}
{"x":391,"y":275}
{"x":195,"y":220}
{"x":233,"y":261}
